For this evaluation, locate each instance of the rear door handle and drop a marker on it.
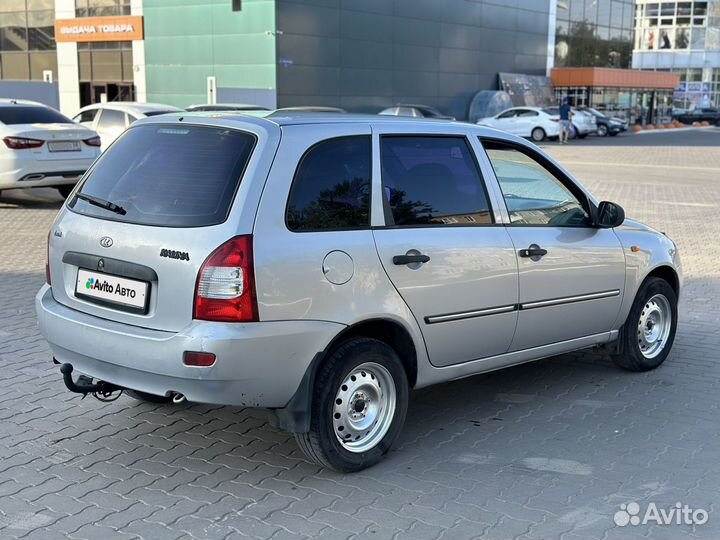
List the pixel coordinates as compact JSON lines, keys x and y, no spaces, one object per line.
{"x":410,"y":259}
{"x":533,"y":251}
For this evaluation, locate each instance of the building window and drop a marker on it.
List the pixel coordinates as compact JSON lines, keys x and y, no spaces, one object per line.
{"x":101,"y":8}
{"x":27,"y":39}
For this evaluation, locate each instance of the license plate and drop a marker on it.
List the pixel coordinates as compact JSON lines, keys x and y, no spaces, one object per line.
{"x":64,"y":146}
{"x":105,"y":288}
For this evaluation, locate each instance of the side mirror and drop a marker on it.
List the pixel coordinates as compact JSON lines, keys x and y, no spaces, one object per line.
{"x":609,"y":215}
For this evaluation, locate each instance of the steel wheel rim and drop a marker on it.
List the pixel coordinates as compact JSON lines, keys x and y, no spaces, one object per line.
{"x":654,"y":326}
{"x":364,"y":407}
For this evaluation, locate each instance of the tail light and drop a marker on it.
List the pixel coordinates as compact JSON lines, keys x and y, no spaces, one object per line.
{"x":554,"y":119}
{"x":92,"y":141}
{"x":22,"y":143}
{"x":225,"y":289}
{"x":48,"y":280}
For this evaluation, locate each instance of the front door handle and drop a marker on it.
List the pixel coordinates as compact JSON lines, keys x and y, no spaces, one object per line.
{"x":534,"y":252}
{"x":410,"y":259}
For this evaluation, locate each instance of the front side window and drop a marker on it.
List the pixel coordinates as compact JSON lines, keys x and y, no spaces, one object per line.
{"x":86,"y":117}
{"x":331,"y":188}
{"x":432,"y":181}
{"x":533,"y":194}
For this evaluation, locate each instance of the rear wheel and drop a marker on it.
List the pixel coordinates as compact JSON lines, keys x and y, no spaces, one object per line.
{"x":537,"y":134}
{"x":649,"y":331}
{"x":582,"y":135}
{"x":359,"y":405}
{"x":147,"y":398}
{"x":602,"y":130}
{"x":65,"y":191}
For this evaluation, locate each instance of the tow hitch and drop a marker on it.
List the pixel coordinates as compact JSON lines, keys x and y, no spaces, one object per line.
{"x":101,"y":390}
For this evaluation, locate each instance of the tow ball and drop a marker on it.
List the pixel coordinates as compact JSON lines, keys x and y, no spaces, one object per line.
{"x":101,"y":390}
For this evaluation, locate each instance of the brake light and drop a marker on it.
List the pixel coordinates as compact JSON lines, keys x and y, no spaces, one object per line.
{"x":22,"y":143}
{"x":225,"y":289}
{"x":48,"y":280}
{"x":92,"y":141}
{"x":554,"y":119}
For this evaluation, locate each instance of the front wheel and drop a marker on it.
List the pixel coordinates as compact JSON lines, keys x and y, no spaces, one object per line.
{"x":359,"y":405}
{"x":537,"y":134}
{"x":649,"y":331}
{"x":602,"y":130}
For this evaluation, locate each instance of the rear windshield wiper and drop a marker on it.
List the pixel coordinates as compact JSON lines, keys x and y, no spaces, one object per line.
{"x":102,"y":203}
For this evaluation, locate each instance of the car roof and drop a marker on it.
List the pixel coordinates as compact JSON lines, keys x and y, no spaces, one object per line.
{"x":132,"y":106}
{"x":269,"y":119}
{"x":9,"y":102}
{"x":248,"y":106}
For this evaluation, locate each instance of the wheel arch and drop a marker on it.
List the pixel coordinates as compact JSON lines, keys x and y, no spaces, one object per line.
{"x":666,"y":273}
{"x":295,"y":416}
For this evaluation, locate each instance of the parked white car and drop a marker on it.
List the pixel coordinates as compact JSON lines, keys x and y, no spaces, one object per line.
{"x":111,"y":119}
{"x":42,"y":148}
{"x":534,"y":122}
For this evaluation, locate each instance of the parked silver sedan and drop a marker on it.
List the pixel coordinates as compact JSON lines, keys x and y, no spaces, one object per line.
{"x":323,"y":266}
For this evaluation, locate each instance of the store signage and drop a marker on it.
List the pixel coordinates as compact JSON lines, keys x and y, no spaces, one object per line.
{"x":99,"y":29}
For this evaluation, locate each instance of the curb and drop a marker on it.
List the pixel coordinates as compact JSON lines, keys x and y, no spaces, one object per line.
{"x":671,"y":130}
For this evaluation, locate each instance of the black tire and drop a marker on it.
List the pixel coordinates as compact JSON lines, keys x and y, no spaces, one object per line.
{"x":582,"y":135}
{"x":65,"y":191}
{"x":537,"y":134}
{"x":321,"y":444}
{"x":602,"y":130}
{"x":631,"y":357}
{"x":147,"y":398}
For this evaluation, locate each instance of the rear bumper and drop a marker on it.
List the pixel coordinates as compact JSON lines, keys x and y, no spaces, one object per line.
{"x":22,"y":172}
{"x":258,"y":364}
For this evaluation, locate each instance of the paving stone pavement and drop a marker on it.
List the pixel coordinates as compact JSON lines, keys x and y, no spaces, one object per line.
{"x":541,"y":451}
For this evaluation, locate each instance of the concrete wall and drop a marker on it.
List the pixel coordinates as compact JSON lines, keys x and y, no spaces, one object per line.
{"x":43,"y":92}
{"x":364,"y":55}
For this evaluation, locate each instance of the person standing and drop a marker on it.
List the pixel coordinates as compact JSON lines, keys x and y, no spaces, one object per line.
{"x":565,"y":115}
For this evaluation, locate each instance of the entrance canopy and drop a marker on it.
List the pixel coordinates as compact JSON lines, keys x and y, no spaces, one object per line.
{"x":594,"y":77}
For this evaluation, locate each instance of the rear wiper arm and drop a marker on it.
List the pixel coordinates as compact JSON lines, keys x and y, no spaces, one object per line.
{"x":102,"y":203}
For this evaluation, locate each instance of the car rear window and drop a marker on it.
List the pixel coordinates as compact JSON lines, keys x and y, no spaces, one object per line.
{"x":31,"y":114}
{"x":173,"y":176}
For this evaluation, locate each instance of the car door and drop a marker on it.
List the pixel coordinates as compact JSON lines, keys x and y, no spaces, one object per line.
{"x":525,"y":121}
{"x":571,"y":274}
{"x":440,"y":244}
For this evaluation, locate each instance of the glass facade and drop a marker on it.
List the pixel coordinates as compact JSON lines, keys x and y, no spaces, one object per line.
{"x":677,"y":26}
{"x":594,"y":33}
{"x":101,"y":8}
{"x":682,"y":37}
{"x":27,"y":39}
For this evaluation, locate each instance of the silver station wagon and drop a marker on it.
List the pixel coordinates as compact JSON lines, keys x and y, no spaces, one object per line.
{"x":322,"y":266}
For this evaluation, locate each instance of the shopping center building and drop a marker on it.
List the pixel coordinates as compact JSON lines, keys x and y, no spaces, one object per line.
{"x":362,"y":55}
{"x":683,"y":38}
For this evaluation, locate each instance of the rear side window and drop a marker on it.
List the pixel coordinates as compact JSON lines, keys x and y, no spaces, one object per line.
{"x":174,"y":176}
{"x":432,"y":181}
{"x":331,"y":188}
{"x":111,"y":119}
{"x":22,"y":114}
